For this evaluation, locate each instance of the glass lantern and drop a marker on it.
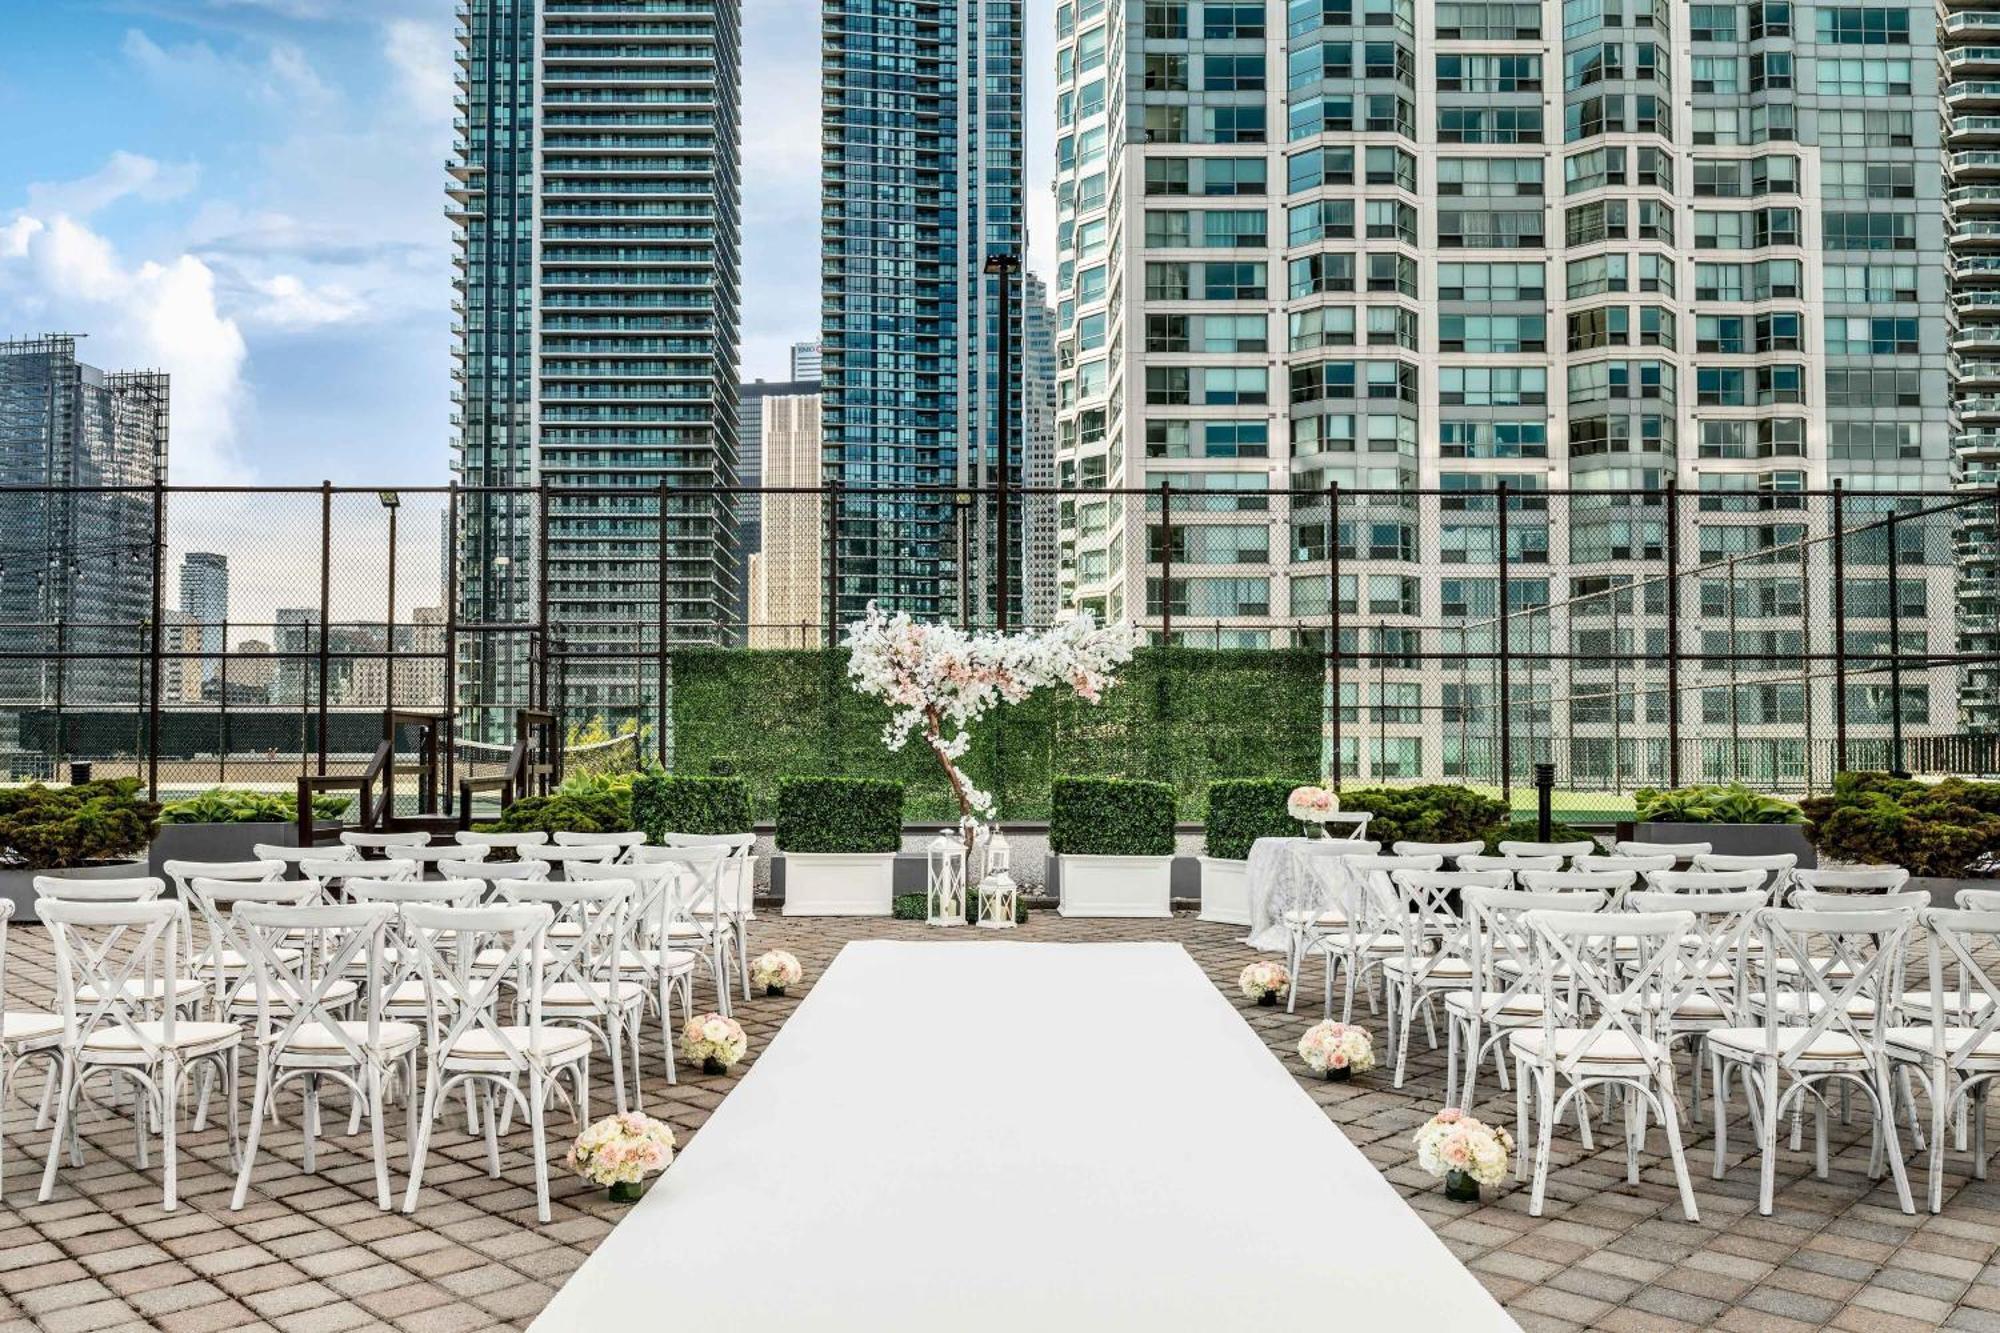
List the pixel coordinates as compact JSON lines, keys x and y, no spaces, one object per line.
{"x":944,"y":883}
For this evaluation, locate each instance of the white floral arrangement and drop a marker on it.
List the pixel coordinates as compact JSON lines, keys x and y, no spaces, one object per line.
{"x":622,"y":1149}
{"x":1451,"y":1141}
{"x":1264,"y":979}
{"x":1334,"y":1046}
{"x":1312,"y":805}
{"x":776,"y":970}
{"x":711,"y":1037}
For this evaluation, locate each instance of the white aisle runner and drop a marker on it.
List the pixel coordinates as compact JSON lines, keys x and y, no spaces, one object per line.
{"x":1039,"y":1137}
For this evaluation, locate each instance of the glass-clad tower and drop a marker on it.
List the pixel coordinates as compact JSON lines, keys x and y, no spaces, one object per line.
{"x":597,"y":193}
{"x":921,"y":129}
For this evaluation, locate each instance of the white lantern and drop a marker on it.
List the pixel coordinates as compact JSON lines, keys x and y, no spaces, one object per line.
{"x":999,"y":856}
{"x":944,"y":886}
{"x":999,"y":899}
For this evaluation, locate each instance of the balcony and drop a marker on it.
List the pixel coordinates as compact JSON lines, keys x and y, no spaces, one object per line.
{"x":1972,"y":129}
{"x":1972,"y":93}
{"x":1969,"y":59}
{"x":1976,"y":164}
{"x":1979,"y":233}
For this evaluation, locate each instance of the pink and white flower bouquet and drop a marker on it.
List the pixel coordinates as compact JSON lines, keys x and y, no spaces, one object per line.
{"x":621,"y":1150}
{"x":1337,"y":1050}
{"x":1265,"y":982}
{"x":1312,"y":805}
{"x":776,"y":970}
{"x":1465,"y":1152}
{"x":713,"y":1041}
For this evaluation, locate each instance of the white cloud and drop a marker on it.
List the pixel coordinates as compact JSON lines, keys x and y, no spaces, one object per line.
{"x":421,"y":55}
{"x":280,"y":76}
{"x":123,"y":174}
{"x":149,"y":314}
{"x":290,"y":303}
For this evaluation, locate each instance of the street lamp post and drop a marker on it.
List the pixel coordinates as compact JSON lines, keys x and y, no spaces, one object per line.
{"x":1003,"y":265}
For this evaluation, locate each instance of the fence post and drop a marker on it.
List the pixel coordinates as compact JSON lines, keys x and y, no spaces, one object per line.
{"x":1673,"y":644}
{"x":1333,"y":613}
{"x":325,"y":609}
{"x":542,"y":639}
{"x":1506,"y":647}
{"x":1839,"y":630}
{"x":451,"y":641}
{"x":157,"y":643}
{"x":663,"y":665}
{"x":833,"y":565}
{"x":1166,"y":563}
{"x":1896,"y":768}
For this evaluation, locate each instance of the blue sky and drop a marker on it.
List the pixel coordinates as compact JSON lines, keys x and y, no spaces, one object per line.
{"x":250,"y":195}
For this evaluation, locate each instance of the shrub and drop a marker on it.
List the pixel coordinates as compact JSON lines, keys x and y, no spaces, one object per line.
{"x":673,"y":803}
{"x":1530,"y":830}
{"x":591,"y":803}
{"x":1949,"y":829}
{"x":1111,"y":817}
{"x":231,"y":805}
{"x":1242,"y":810}
{"x":1434,"y":813}
{"x":839,"y":815}
{"x":916,"y":907}
{"x":1731,"y":804}
{"x":49,"y":828}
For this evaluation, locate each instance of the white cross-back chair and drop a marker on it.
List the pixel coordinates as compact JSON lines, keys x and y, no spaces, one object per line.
{"x":648,"y":956}
{"x":560,"y":857}
{"x":1706,"y":881}
{"x":1825,"y":1027}
{"x":1716,"y":960}
{"x":1613,"y":884}
{"x":1958,"y":1058}
{"x":1977,"y":900}
{"x":1601,"y":1027}
{"x":138,"y":889}
{"x":1323,"y":929}
{"x":1449,"y":851}
{"x":512,"y":841}
{"x":1502,"y":995}
{"x":272,"y":851}
{"x":1323,"y":878}
{"x":1680,"y":851}
{"x":331,"y":875}
{"x":1638,"y":865}
{"x":467,"y":1046}
{"x":1518,"y":847}
{"x":1435,"y":957}
{"x":1777,"y":869}
{"x":399,"y":984}
{"x":222,"y":958}
{"x":25,"y":1034}
{"x":429,"y":856}
{"x":624,"y":841}
{"x":736,"y":879}
{"x":699,"y":910}
{"x":385,"y":842}
{"x":305,"y":1030}
{"x":1858,"y":880}
{"x":495,"y":872}
{"x":583,"y":982}
{"x":180,"y":872}
{"x":1511,"y":864}
{"x":114,"y":952}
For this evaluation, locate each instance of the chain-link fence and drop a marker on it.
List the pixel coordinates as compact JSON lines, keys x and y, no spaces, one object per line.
{"x":197,"y":637}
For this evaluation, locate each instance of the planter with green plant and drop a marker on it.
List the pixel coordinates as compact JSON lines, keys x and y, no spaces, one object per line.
{"x":1111,"y":844}
{"x":664,"y":803}
{"x":1240,"y":811}
{"x":839,"y":838}
{"x":1733,"y":819}
{"x":93,"y":830}
{"x":228,"y":823}
{"x":587,"y":803}
{"x":1946,"y":834}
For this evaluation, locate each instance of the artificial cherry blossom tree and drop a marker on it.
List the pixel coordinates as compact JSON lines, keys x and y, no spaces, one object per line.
{"x":938,"y":681}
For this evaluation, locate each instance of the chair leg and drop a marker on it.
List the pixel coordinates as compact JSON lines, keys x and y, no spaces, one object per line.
{"x":1767,"y":1146}
{"x":1885,"y":1111}
{"x":1472,"y":1039}
{"x":667,"y":1029}
{"x":1545,"y":1115}
{"x":1939,"y":1098}
{"x":490,"y":1117}
{"x":743,"y":955}
{"x":630,"y":1025}
{"x":1451,"y":1062}
{"x":170,"y":1115}
{"x":1670,"y":1118}
{"x":1294,"y":959}
{"x":1402,"y":1002}
{"x":258,"y":1095}
{"x":421,"y":1144}
{"x":1520,"y":1123}
{"x":537,"y":1093}
{"x":378,"y":1143}
{"x":614,"y":1044}
{"x":59,"y":1137}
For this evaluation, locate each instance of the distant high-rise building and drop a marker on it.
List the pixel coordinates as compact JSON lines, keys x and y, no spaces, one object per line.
{"x":205,"y":604}
{"x":78,"y":564}
{"x":921,"y":183}
{"x":805,"y":360}
{"x":786,"y":578}
{"x":750,"y":511}
{"x":596,"y":189}
{"x":1039,"y":584}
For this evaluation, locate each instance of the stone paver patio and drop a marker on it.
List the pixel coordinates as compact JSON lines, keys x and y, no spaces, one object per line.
{"x":313,"y":1254}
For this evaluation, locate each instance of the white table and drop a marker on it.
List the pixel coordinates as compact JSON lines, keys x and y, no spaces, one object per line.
{"x":990,"y":1136}
{"x":1278,"y":883}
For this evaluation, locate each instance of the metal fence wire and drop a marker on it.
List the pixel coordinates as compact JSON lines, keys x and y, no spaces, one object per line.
{"x":204,"y":636}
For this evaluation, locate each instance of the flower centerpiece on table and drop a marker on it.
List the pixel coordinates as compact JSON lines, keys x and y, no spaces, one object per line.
{"x":1337,"y":1050}
{"x":1312,"y":806}
{"x":776,"y":970}
{"x":716,"y":1042}
{"x":1265,"y":982}
{"x":620,"y":1151}
{"x":938,"y":681}
{"x":1466,"y":1152}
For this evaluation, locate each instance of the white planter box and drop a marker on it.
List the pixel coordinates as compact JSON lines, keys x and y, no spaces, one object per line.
{"x":1119,"y":886}
{"x":839,"y":883}
{"x":1225,"y":891}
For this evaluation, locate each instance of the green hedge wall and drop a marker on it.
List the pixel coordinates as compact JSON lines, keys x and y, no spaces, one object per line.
{"x":674,"y":803}
{"x":1242,"y":810}
{"x":839,"y":815}
{"x":1111,"y":817}
{"x":1183,"y":716}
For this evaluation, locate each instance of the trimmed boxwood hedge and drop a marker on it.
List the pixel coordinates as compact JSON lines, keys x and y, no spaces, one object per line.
{"x":839,"y":815}
{"x":1242,"y":810}
{"x":1111,"y":817}
{"x":675,"y":803}
{"x":1949,"y":829}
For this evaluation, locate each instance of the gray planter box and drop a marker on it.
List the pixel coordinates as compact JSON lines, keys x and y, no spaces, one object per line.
{"x":1943,"y":891}
{"x":214,"y":842}
{"x":1737,"y":839}
{"x":18,"y":886}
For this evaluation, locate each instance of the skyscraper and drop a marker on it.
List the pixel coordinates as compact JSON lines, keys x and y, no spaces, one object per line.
{"x":1040,"y":594}
{"x":1395,"y":246}
{"x":750,"y":509}
{"x":597,"y":193}
{"x":921,"y":183}
{"x":806,"y":360}
{"x":78,"y":565}
{"x":205,"y":604}
{"x":786,"y":578}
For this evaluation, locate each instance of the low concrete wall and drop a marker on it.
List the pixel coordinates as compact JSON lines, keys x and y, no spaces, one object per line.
{"x":1030,"y":856}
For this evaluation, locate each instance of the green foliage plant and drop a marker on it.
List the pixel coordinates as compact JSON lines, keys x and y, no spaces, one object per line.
{"x":675,"y":803}
{"x":1948,"y":829}
{"x":1732,"y":803}
{"x":845,"y":815}
{"x":1111,"y":817}
{"x":54,"y":828}
{"x":1242,"y":810}
{"x":234,"y":805}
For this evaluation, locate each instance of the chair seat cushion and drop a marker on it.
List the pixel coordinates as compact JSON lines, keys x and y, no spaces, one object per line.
{"x":1793,"y":1002}
{"x":676,"y":961}
{"x":1444,"y":969}
{"x":23,"y":1025}
{"x":592,"y":995}
{"x":339,"y":993}
{"x":1308,"y":916}
{"x":390,"y":1037}
{"x":1743,"y":1042}
{"x":557,"y":1043}
{"x":1609,"y":1047}
{"x":1919,"y":1002}
{"x":185,"y":990}
{"x":1917,"y":1042}
{"x":187,"y":1036}
{"x":1492,"y":1006}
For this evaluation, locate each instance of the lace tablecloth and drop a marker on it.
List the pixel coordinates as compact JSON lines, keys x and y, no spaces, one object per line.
{"x":1279,"y":882}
